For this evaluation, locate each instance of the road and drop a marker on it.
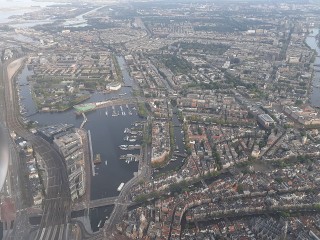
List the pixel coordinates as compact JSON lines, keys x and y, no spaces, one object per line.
{"x":95,"y":203}
{"x":57,"y":203}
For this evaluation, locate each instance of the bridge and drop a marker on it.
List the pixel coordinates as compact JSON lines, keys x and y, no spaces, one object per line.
{"x":87,"y":107}
{"x":96,"y":203}
{"x":101,"y":203}
{"x":180,"y":155}
{"x":84,"y":120}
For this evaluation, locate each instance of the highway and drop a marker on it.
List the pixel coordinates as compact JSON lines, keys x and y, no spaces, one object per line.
{"x":57,"y":203}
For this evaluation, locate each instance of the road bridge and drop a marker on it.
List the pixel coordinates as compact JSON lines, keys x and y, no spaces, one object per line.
{"x":180,"y":155}
{"x":96,"y":203}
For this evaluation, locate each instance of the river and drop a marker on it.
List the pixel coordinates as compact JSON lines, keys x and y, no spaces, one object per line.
{"x":315,"y":93}
{"x":19,"y":7}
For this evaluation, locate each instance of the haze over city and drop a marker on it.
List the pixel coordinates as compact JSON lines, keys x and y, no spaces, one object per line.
{"x":159,"y":120}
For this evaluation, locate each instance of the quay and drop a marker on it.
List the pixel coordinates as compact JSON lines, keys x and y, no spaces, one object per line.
{"x":91,"y":154}
{"x":87,"y":107}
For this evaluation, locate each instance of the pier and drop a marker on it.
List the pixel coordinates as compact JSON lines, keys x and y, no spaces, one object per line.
{"x":91,"y":154}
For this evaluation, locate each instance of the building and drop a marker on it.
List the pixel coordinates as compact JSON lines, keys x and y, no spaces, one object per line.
{"x":49,"y":132}
{"x":265,"y":120}
{"x":69,"y":145}
{"x":113,"y":86}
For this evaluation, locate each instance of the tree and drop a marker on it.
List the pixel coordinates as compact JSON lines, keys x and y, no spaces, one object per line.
{"x":298,"y":102}
{"x":240,"y":188}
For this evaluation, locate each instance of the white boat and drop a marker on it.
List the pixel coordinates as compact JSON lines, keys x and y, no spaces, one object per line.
{"x":120,"y":187}
{"x":99,"y":225}
{"x":106,"y":113}
{"x":106,"y":162}
{"x":123,"y":147}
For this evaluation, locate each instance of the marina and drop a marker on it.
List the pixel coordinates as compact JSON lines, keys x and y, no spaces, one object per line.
{"x":130,"y":147}
{"x":130,"y":158}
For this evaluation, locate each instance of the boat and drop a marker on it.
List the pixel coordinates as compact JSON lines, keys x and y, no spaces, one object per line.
{"x":122,"y":94}
{"x":120,"y":187}
{"x":99,"y":224}
{"x":97,"y":159}
{"x":106,"y":163}
{"x":123,"y":147}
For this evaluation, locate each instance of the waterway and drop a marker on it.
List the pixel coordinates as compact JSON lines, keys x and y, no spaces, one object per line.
{"x":80,"y":21}
{"x":106,"y":131}
{"x":315,"y":93}
{"x":107,"y":134}
{"x":177,"y":162}
{"x":19,"y":7}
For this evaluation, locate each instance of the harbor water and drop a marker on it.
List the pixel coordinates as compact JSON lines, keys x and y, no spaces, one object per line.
{"x":313,"y":44}
{"x":107,"y":133}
